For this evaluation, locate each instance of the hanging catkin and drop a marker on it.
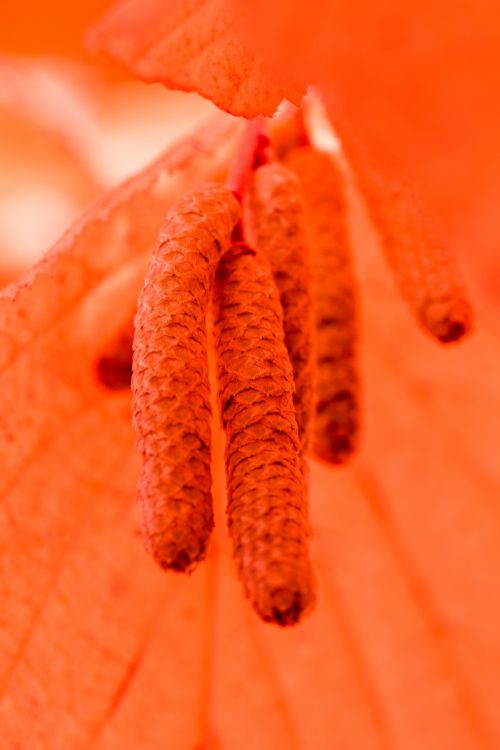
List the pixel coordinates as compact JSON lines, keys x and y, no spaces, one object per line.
{"x":425,"y":270}
{"x":337,"y":405}
{"x":267,"y":506}
{"x":172,"y":415}
{"x":275,"y":224}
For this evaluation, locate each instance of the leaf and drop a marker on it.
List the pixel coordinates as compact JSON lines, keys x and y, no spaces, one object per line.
{"x":73,"y":621}
{"x":416,"y":84}
{"x":100,"y":650}
{"x":193,"y":46}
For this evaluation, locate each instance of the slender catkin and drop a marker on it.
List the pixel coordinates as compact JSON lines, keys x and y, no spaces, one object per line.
{"x":267,"y":505}
{"x":171,"y":411}
{"x":337,"y":406}
{"x":275,"y":224}
{"x":114,"y":366}
{"x":425,"y":270}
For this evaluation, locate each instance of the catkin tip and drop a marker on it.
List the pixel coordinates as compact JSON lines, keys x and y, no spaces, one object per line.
{"x":287,"y":606}
{"x":337,"y":426}
{"x":182,"y":557}
{"x":338,"y":449}
{"x":114,"y":375}
{"x":113,"y":369}
{"x":447,"y":319}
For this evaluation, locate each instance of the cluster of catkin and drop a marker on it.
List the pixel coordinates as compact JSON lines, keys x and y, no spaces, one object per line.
{"x":274,"y":262}
{"x":260,"y":291}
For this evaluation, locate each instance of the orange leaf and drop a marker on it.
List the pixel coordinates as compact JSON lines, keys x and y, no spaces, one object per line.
{"x":193,"y":46}
{"x":415,"y":82}
{"x":100,"y":650}
{"x":69,"y":468}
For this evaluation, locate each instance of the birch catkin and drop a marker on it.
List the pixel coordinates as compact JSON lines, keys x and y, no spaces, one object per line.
{"x":337,"y":406}
{"x":275,"y":224}
{"x":425,"y":271}
{"x":267,"y":511}
{"x":171,"y":412}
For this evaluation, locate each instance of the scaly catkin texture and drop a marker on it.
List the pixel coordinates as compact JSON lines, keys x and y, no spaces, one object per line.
{"x":172,"y":415}
{"x":425,"y":271}
{"x":267,"y":506}
{"x":337,"y":406}
{"x":275,"y":224}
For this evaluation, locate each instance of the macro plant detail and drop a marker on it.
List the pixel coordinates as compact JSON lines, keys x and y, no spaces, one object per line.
{"x":373,"y":528}
{"x":337,"y":407}
{"x":267,"y":504}
{"x":170,"y":378}
{"x":296,"y":223}
{"x":277,"y":226}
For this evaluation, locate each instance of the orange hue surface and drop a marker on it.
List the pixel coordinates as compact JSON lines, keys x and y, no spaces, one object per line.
{"x":170,"y":384}
{"x":99,"y":650}
{"x":193,"y":46}
{"x":48,"y":27}
{"x":414,"y":81}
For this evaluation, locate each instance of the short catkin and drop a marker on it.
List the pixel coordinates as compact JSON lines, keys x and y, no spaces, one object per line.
{"x":275,"y":223}
{"x":171,"y":395}
{"x":114,"y":366}
{"x":424,"y":269}
{"x":336,"y":423}
{"x":267,"y":505}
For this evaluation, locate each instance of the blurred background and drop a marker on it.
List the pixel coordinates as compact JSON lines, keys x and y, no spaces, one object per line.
{"x":71,"y":125}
